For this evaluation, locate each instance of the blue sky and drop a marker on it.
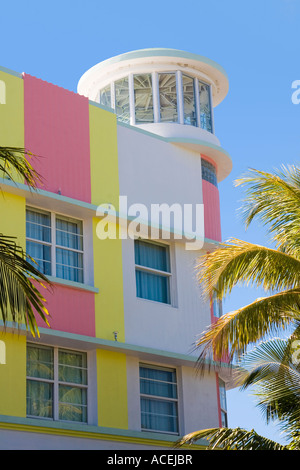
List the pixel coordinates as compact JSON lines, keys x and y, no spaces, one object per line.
{"x":257,"y":42}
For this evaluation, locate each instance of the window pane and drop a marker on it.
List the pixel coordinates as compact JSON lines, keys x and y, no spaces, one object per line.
{"x":69,"y":233}
{"x":152,"y":255}
{"x":205,"y":107}
{"x":143,"y":98}
{"x":168,"y":97}
{"x":159,"y":415}
{"x":122,"y":100}
{"x":152,"y":287}
{"x":209,"y":172}
{"x":72,"y":403}
{"x":164,"y":375}
{"x":69,"y":265}
{"x":38,"y":225}
{"x":39,"y":399}
{"x":40,"y":362}
{"x":189,"y":101}
{"x":42,"y":256}
{"x":160,"y":389}
{"x":105,"y":96}
{"x":72,"y":367}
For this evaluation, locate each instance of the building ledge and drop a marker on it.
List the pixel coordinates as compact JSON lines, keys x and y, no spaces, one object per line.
{"x":87,"y":431}
{"x":80,"y":209}
{"x":73,"y":285}
{"x":88,"y":343}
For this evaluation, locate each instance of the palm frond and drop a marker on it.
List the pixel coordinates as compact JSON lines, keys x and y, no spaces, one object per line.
{"x":230,"y":439}
{"x":14,"y":163}
{"x":230,"y":336}
{"x":238,"y":262}
{"x":20,"y":297}
{"x":20,"y":281}
{"x":274,"y":198}
{"x":275,"y":373}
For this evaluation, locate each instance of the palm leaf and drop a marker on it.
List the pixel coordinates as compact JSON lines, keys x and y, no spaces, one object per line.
{"x":20,"y":299}
{"x":14,"y":163}
{"x":233,"y":332}
{"x":239,"y":262}
{"x":274,"y":198}
{"x":20,"y":281}
{"x":273,"y":370}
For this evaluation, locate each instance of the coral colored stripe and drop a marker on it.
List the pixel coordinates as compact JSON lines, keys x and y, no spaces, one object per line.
{"x":70,"y":310}
{"x":57,"y":129}
{"x":211,"y":201}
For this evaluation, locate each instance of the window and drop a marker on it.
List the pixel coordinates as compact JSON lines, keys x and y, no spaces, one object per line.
{"x":168,"y":97}
{"x":205,"y":107}
{"x":122,"y":99}
{"x":159,"y":401}
{"x":56,"y":244}
{"x":105,"y":96}
{"x":56,"y":384}
{"x":209,"y":172}
{"x":223,"y":405}
{"x":189,"y":102}
{"x":152,"y":269}
{"x":143,"y":98}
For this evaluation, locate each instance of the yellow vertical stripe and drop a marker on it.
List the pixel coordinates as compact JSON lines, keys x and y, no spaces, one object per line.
{"x":109,"y":308}
{"x":104,"y":156}
{"x":108,"y":276}
{"x":112,"y":389}
{"x":12,"y":111}
{"x":13,"y":376}
{"x":12,"y":221}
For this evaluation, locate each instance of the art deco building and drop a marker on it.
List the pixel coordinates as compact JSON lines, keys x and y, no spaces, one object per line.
{"x":116,"y":368}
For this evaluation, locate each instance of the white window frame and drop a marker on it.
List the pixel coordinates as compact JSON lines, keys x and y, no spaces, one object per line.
{"x":167,"y":274}
{"x":56,"y":383}
{"x":157,"y":397}
{"x":53,"y":245}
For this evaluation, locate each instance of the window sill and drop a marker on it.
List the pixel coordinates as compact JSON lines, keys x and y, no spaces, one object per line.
{"x":72,"y":284}
{"x":156,"y":302}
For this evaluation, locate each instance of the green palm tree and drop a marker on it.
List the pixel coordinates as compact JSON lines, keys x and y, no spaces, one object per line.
{"x":274,"y":199}
{"x":273,"y":369}
{"x":20,"y":280}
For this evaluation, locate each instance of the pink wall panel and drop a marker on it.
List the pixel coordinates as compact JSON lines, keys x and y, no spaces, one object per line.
{"x":211,"y":201}
{"x":57,"y":129}
{"x":70,"y":310}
